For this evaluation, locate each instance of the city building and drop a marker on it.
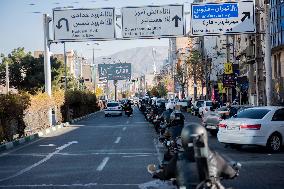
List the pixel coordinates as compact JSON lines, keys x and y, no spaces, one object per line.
{"x":87,"y":76}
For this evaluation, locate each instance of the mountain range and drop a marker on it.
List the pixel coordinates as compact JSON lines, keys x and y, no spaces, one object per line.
{"x":142,"y":58}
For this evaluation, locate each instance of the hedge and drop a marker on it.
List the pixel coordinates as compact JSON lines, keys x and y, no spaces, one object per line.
{"x":24,"y":114}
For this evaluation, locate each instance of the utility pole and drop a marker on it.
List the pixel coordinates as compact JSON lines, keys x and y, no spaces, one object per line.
{"x":94,"y":71}
{"x":258,"y":58}
{"x":7,"y":78}
{"x":228,"y":49}
{"x":115,"y":90}
{"x":268,"y":67}
{"x":47,"y":66}
{"x":250,"y":62}
{"x":65,"y":68}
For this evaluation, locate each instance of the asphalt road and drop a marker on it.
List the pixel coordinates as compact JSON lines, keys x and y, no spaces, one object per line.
{"x":113,"y":152}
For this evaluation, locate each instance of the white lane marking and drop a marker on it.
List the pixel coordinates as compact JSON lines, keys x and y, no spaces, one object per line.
{"x":47,"y":145}
{"x":103,"y":164}
{"x":135,"y":156}
{"x":117,"y":140}
{"x":19,"y":148}
{"x":127,"y":122}
{"x":39,"y":162}
{"x":32,"y":154}
{"x":124,"y":128}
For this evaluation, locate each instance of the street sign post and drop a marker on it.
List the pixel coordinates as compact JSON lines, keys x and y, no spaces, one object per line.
{"x":223,"y":18}
{"x":153,"y":21}
{"x":83,"y":24}
{"x":118,"y":71}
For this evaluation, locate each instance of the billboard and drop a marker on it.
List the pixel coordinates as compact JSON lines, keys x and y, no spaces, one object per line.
{"x":223,"y":18}
{"x":118,"y":71}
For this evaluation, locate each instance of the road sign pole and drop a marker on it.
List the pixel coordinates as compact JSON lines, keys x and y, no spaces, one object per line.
{"x":47,"y":66}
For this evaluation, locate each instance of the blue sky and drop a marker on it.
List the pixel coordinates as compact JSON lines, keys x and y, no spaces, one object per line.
{"x":21,"y":25}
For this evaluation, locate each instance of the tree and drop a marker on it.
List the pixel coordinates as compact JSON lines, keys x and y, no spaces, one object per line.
{"x":195,"y":68}
{"x":99,"y":92}
{"x":162,"y":90}
{"x":159,"y":90}
{"x":154,"y":91}
{"x":27,"y":72}
{"x":182,"y":76}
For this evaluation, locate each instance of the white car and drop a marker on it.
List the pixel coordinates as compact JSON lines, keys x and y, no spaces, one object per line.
{"x":205,"y":107}
{"x":113,"y":108}
{"x":262,"y":126}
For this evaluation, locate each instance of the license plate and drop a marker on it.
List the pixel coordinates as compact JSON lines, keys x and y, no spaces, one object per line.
{"x":232,"y":127}
{"x":178,"y":118}
{"x":210,"y":127}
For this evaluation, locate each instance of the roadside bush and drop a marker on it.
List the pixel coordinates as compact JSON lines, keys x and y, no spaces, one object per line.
{"x":79,"y":103}
{"x":36,"y":115}
{"x":25,"y":114}
{"x":58,"y":101}
{"x":12,"y":108}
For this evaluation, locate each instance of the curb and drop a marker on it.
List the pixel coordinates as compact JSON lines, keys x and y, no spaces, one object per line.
{"x":29,"y":138}
{"x":83,"y":117}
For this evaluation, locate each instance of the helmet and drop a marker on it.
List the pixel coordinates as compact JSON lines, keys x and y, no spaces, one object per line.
{"x":177,"y":118}
{"x":191,"y":131}
{"x":188,"y":134}
{"x":170,"y":106}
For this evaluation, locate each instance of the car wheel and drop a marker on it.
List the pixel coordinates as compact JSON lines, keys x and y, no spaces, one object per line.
{"x":105,"y":115}
{"x":274,"y":142}
{"x":120,"y":114}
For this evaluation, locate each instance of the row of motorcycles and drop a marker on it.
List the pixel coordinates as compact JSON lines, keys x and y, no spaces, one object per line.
{"x":188,"y":162}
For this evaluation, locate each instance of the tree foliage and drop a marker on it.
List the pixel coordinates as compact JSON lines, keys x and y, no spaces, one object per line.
{"x":195,"y":67}
{"x":26,"y":73}
{"x":159,"y":91}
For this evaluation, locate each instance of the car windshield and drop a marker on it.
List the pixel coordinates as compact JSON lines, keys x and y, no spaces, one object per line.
{"x":208,"y":103}
{"x":252,"y":113}
{"x":112,"y":104}
{"x":199,"y":103}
